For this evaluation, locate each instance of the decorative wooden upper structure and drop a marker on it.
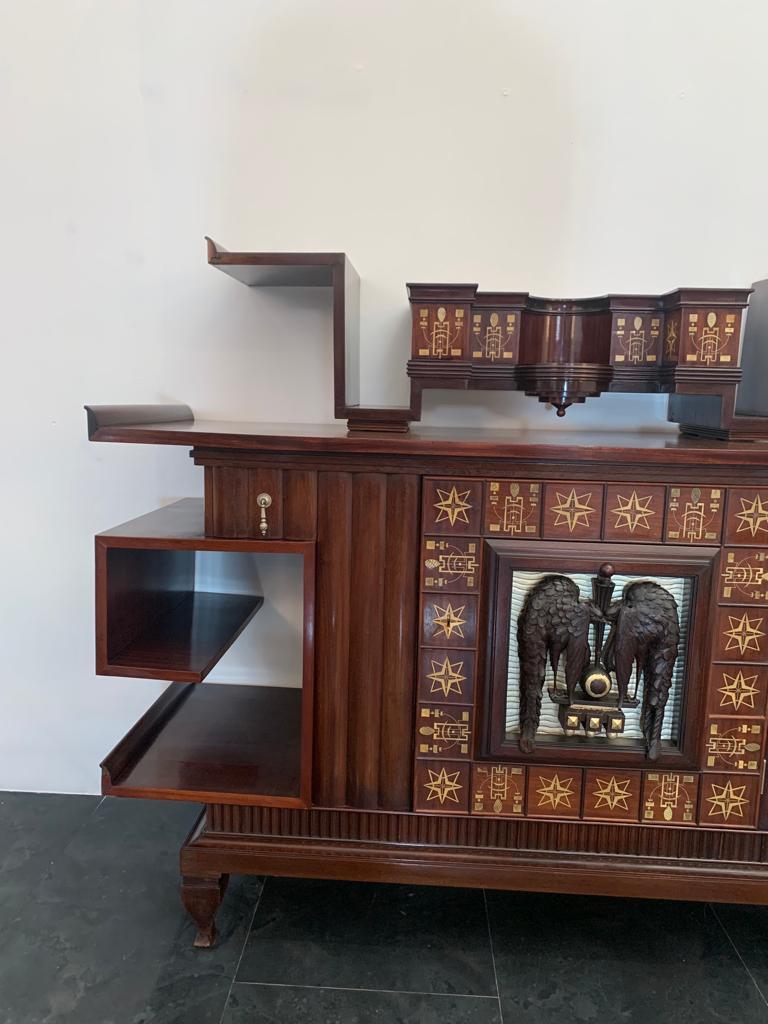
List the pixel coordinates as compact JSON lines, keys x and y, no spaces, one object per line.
{"x":685,"y":343}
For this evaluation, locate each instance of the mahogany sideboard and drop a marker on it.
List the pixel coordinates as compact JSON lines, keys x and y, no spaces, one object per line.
{"x":534,"y":661}
{"x":391,"y":761}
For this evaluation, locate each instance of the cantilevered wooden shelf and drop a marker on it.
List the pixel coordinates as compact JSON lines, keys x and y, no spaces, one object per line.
{"x":214,"y":743}
{"x":187,"y":642}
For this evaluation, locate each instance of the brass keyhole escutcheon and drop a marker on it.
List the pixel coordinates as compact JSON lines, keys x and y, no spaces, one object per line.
{"x":263,"y":500}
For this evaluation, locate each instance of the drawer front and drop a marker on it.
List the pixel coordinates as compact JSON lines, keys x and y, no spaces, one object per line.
{"x":260,"y":503}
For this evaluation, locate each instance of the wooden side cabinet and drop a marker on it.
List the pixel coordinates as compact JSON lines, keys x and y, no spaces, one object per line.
{"x":525,"y":661}
{"x":398,"y":756}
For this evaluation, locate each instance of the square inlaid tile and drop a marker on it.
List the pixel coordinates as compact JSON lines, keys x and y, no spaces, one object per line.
{"x":634,"y":512}
{"x":498,"y":790}
{"x":572,"y":511}
{"x":746,"y":516}
{"x":513,"y":508}
{"x":453,"y":507}
{"x":694,"y":515}
{"x":612,"y":795}
{"x":554,"y":792}
{"x":729,"y":801}
{"x":669,"y":798}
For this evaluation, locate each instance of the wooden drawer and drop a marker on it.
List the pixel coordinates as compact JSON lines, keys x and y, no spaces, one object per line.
{"x":232,"y":508}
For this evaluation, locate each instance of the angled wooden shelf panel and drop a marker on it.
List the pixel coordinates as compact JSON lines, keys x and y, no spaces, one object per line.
{"x":186,"y":642}
{"x":215,"y":743}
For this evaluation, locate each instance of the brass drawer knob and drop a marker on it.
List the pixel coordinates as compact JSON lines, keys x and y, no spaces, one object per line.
{"x":263,"y":500}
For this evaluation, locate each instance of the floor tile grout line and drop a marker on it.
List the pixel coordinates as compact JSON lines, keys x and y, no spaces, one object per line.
{"x":242,"y":951}
{"x":493,"y":955}
{"x":350,"y":988}
{"x":737,"y":951}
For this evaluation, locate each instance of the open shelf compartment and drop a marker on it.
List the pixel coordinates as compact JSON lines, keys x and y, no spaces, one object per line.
{"x":169,"y":603}
{"x":217,"y":743}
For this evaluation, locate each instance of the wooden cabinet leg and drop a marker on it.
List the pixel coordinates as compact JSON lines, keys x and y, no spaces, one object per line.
{"x":202,"y":898}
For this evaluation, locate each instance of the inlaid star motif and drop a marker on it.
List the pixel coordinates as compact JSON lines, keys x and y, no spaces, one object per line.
{"x":633,"y":512}
{"x":753,"y":516}
{"x":727,"y":800}
{"x":443,"y":785}
{"x":738,"y":691}
{"x":448,"y":621}
{"x":744,"y":634}
{"x":446,"y":677}
{"x":452,"y":506}
{"x":611,"y":793}
{"x":572,"y":509}
{"x":555,"y":792}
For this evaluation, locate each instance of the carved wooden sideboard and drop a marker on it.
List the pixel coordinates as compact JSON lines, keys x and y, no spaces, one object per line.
{"x":398,"y":756}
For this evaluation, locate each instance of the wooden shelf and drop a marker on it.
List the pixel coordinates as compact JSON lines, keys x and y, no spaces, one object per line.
{"x":215,"y":743}
{"x":186,"y":642}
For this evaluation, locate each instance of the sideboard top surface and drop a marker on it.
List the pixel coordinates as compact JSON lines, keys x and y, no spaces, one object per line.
{"x":666,"y":448}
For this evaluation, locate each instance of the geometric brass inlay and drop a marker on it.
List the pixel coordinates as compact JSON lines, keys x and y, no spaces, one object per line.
{"x":452,"y":506}
{"x":498,"y":789}
{"x":443,"y":785}
{"x":669,"y":797}
{"x":450,"y":564}
{"x":738,"y":690}
{"x":444,"y":732}
{"x":744,"y":576}
{"x":744,"y":633}
{"x":695,"y":514}
{"x":573,"y":509}
{"x":734,"y":745}
{"x":446,"y":677}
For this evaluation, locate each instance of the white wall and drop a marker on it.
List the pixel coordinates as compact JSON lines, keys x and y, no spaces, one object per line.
{"x":561,"y":147}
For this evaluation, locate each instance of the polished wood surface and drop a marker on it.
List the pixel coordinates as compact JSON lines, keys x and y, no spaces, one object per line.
{"x":213,"y":742}
{"x":649,"y":448}
{"x":186,"y":642}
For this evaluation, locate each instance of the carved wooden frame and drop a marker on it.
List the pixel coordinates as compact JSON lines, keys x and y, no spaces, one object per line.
{"x":501,"y":558}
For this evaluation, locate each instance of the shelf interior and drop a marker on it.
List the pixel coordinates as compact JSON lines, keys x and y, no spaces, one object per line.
{"x":186,"y":642}
{"x":215,"y":743}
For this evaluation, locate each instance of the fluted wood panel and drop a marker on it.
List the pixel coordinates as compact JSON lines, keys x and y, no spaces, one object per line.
{"x":400,"y":627}
{"x":366,"y":637}
{"x":492,"y":833}
{"x":334,"y":555}
{"x":366,"y":622}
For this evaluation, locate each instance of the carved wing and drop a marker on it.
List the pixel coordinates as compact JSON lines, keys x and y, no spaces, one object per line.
{"x":553,"y":622}
{"x":646,"y":634}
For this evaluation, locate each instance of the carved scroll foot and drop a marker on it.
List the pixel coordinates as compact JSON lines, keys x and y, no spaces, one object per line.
{"x":202,"y":898}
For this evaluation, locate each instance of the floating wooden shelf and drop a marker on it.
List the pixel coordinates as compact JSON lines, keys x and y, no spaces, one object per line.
{"x":221,"y":743}
{"x":185,"y":644}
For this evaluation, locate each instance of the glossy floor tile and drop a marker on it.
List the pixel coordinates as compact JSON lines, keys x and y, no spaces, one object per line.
{"x":265,"y":1004}
{"x":93,"y":932}
{"x":590,"y":959}
{"x":359,"y":935}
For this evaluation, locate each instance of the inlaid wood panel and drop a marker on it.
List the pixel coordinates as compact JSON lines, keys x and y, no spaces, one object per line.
{"x":612,"y":795}
{"x":729,"y":801}
{"x":447,"y":676}
{"x":709,"y":337}
{"x":634,"y":512}
{"x":741,"y":635}
{"x":572,"y":511}
{"x":636,"y":339}
{"x":440,"y":331}
{"x":670,"y":798}
{"x":451,"y":565}
{"x":513,"y":508}
{"x":734,"y":744}
{"x":498,"y":790}
{"x":453,"y":507}
{"x":366,"y":624}
{"x":442,"y":787}
{"x":444,"y":731}
{"x":738,"y":690}
{"x":694,"y":515}
{"x":554,"y":792}
{"x":743,"y":576}
{"x":746,"y":516}
{"x":495,"y":335}
{"x":449,"y":621}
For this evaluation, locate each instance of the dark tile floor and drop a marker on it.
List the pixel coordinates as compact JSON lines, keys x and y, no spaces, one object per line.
{"x":93,"y":933}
